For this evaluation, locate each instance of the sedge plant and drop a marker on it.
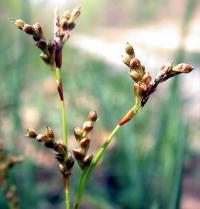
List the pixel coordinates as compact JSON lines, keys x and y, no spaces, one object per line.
{"x":7,"y":162}
{"x":144,"y":86}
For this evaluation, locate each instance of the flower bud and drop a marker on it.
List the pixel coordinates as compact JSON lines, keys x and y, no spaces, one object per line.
{"x":31,"y":133}
{"x":183,"y":68}
{"x":87,"y":126}
{"x":135,"y":63}
{"x":19,"y":23}
{"x":92,"y":116}
{"x":78,"y":132}
{"x":75,"y":14}
{"x":60,"y":157}
{"x":45,"y":58}
{"x":38,"y":29}
{"x":67,"y":15}
{"x":62,"y":168}
{"x":147,"y":79}
{"x":126,"y":59}
{"x":87,"y":160}
{"x":69,"y":163}
{"x":71,"y":25}
{"x":49,"y":133}
{"x":78,"y":154}
{"x":135,"y":76}
{"x":64,"y":24}
{"x":138,"y":90}
{"x":85,"y":143}
{"x":59,"y":147}
{"x":129,"y":49}
{"x":41,"y":44}
{"x":28,"y":29}
{"x":41,"y":138}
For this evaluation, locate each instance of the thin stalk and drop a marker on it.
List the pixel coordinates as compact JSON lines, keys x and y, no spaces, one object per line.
{"x":64,"y":122}
{"x":11,"y":206}
{"x":87,"y":173}
{"x":58,"y":78}
{"x":67,"y":193}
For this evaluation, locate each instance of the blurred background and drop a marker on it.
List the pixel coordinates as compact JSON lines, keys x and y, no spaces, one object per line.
{"x":154,"y":162}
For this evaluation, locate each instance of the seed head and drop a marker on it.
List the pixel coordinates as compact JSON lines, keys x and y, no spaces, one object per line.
{"x":75,"y":14}
{"x":31,"y":133}
{"x":41,"y":138}
{"x":147,"y":79}
{"x":87,"y":160}
{"x":69,"y":163}
{"x":45,"y":58}
{"x":67,"y":15}
{"x":87,"y":126}
{"x":78,"y":132}
{"x":129,"y":49}
{"x":135,"y":63}
{"x":49,"y":133}
{"x":19,"y":23}
{"x":183,"y":68}
{"x":28,"y":29}
{"x":135,"y":76}
{"x":92,"y":116}
{"x":85,"y":143}
{"x":78,"y":154}
{"x":60,"y":147}
{"x":126,"y":59}
{"x":38,"y":29}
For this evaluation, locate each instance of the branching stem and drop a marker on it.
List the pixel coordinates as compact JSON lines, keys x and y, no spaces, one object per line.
{"x":87,"y":173}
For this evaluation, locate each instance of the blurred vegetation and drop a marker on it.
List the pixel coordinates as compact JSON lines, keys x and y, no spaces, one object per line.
{"x":142,"y":170}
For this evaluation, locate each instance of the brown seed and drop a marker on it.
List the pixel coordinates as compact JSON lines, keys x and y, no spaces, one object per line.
{"x":78,"y":132}
{"x":31,"y":133}
{"x":78,"y":154}
{"x":49,"y":133}
{"x":38,"y":29}
{"x":135,"y":63}
{"x":41,"y":44}
{"x":69,"y":163}
{"x":87,"y":126}
{"x":87,"y":160}
{"x":92,"y":116}
{"x":126,"y":59}
{"x":67,"y":15}
{"x":64,"y":24}
{"x":85,"y":143}
{"x":45,"y":58}
{"x":62,"y":168}
{"x":19,"y":23}
{"x":135,"y":76}
{"x":28,"y":29}
{"x":41,"y":138}
{"x":60,"y":147}
{"x":147,"y":79}
{"x":183,"y":68}
{"x":129,"y":49}
{"x":75,"y":14}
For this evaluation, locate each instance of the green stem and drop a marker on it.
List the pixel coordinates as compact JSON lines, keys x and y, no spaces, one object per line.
{"x":11,"y":206}
{"x":67,"y":193}
{"x":58,"y":78}
{"x":87,"y":173}
{"x":64,"y":122}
